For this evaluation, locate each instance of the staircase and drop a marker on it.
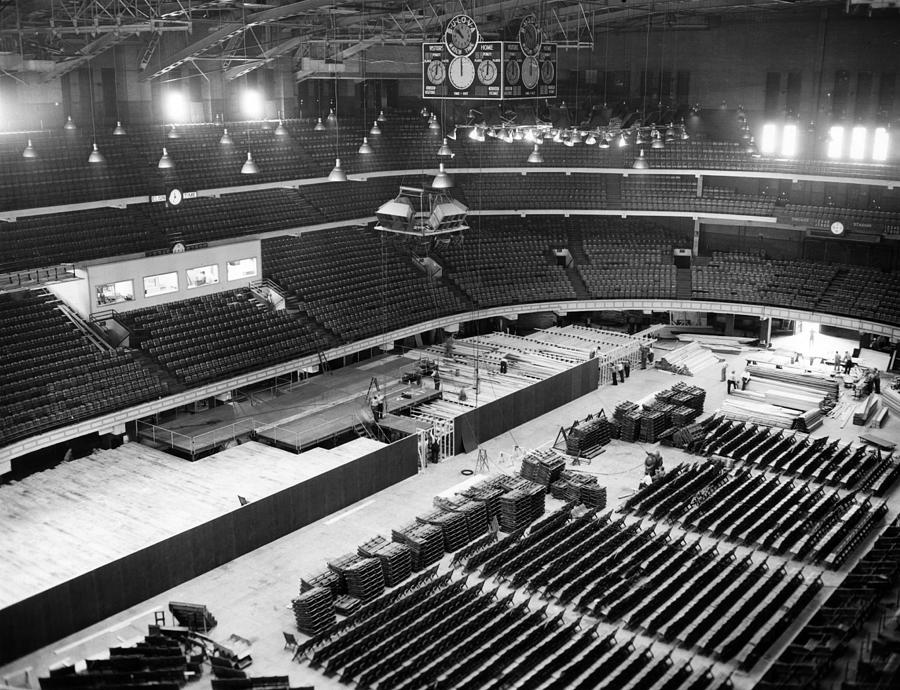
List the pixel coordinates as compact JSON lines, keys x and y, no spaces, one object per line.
{"x":86,"y":329}
{"x":613,"y":191}
{"x":683,"y":283}
{"x":159,"y":371}
{"x":579,"y":258}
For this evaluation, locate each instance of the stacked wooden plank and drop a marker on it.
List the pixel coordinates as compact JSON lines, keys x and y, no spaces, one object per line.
{"x":792,"y":375}
{"x":326,"y":578}
{"x":687,"y":360}
{"x":487,"y":493}
{"x":475,"y":513}
{"x":653,"y":423}
{"x":891,"y":398}
{"x":864,"y":410}
{"x":808,"y":421}
{"x":760,"y":413}
{"x":314,"y":611}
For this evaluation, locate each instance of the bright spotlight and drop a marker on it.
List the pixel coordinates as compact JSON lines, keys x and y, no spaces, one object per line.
{"x":252,"y":104}
{"x":880,"y":144}
{"x":789,"y":140}
{"x":835,"y":141}
{"x":176,"y":107}
{"x":769,"y":138}
{"x":858,"y":143}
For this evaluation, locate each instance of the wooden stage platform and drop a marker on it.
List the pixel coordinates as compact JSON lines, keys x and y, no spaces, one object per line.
{"x":314,"y":411}
{"x":96,"y":535}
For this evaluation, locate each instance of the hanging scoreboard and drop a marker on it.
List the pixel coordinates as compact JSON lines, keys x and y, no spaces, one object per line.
{"x":475,"y":76}
{"x":464,"y":66}
{"x":529,"y":76}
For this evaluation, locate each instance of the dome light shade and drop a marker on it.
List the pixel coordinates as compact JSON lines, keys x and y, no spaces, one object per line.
{"x":375,"y":129}
{"x":337,"y":173}
{"x":366,"y":148}
{"x":442,"y":180}
{"x":657,"y":144}
{"x":445,"y":149}
{"x":576,"y":138}
{"x":165,"y":161}
{"x":320,"y":126}
{"x":332,"y":117}
{"x":281,"y":130}
{"x":174,"y":133}
{"x":639,"y":139}
{"x":670,"y":133}
{"x":433,"y":125}
{"x":226,"y":139}
{"x":535,"y":156}
{"x":623,"y":140}
{"x":29,"y":151}
{"x":70,"y":124}
{"x":119,"y":131}
{"x":96,"y":156}
{"x":640,"y":163}
{"x":604,"y":143}
{"x":477,"y":134}
{"x":249,"y":167}
{"x":381,"y":117}
{"x":590,"y":139}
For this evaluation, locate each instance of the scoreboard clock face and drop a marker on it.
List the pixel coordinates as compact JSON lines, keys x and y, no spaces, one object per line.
{"x":837,"y":227}
{"x":531,"y":72}
{"x":548,"y":72}
{"x":462,"y":73}
{"x":513,"y":73}
{"x":530,"y":36}
{"x":487,"y":72}
{"x":436,"y":72}
{"x":461,"y":36}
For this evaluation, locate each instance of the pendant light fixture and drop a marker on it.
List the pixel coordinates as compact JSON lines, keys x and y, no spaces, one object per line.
{"x":249,"y":167}
{"x":320,"y":126}
{"x":375,"y":129}
{"x":29,"y":151}
{"x":535,"y":156}
{"x":174,"y":133}
{"x":119,"y":131}
{"x":365,"y":148}
{"x":70,"y":124}
{"x":226,"y":139}
{"x":96,"y":156}
{"x":165,"y":161}
{"x":337,"y":173}
{"x":281,"y":130}
{"x":332,"y":116}
{"x":442,"y":180}
{"x":381,"y":117}
{"x":640,"y":163}
{"x":444,"y":150}
{"x":604,"y":142}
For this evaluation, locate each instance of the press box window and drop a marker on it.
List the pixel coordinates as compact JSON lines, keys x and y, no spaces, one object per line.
{"x":203,"y":275}
{"x":112,"y":293}
{"x":242,"y":268}
{"x":160,"y":284}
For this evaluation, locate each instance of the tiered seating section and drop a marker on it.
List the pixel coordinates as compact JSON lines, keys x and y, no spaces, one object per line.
{"x":632,"y":260}
{"x":511,"y":263}
{"x":533,"y":191}
{"x":216,"y":336}
{"x":357,"y":282}
{"x":831,"y":288}
{"x":52,"y":375}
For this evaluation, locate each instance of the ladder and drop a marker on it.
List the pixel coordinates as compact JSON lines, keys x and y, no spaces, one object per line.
{"x":323,"y":363}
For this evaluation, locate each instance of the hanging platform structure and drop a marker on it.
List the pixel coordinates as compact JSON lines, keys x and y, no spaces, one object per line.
{"x":422,"y":213}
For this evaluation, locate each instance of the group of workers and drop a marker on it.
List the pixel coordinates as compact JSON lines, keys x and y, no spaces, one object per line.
{"x":842,"y":364}
{"x":620,"y":370}
{"x":736,"y":382}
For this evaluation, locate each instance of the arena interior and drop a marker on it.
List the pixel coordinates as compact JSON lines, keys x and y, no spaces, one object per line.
{"x":498,"y":344}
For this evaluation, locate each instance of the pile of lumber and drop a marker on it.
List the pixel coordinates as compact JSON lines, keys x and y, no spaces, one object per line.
{"x":891,"y":398}
{"x":687,"y":360}
{"x":542,"y":467}
{"x":742,"y":410}
{"x":585,"y":438}
{"x":864,"y":410}
{"x":792,"y":375}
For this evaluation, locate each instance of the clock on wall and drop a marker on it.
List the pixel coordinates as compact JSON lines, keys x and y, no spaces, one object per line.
{"x":548,"y":72}
{"x":487,"y":72}
{"x":837,"y":228}
{"x":461,"y":36}
{"x":513,"y":72}
{"x":174,"y":197}
{"x":437,"y":72}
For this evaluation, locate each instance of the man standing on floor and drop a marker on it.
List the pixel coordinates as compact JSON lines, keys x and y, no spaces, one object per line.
{"x":732,"y":381}
{"x":837,"y":362}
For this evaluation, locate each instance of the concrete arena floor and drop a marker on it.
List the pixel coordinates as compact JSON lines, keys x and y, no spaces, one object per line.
{"x":251,"y":595}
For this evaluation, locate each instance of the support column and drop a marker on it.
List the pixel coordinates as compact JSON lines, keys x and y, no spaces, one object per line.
{"x":765,"y":330}
{"x":699,"y":186}
{"x":696,"y":246}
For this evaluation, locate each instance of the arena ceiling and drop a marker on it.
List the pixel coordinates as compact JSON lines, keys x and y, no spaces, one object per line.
{"x":56,"y":36}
